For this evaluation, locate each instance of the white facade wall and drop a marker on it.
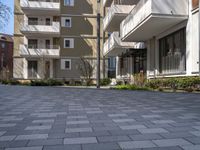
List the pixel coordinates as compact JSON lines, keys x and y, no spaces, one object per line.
{"x":192,"y":47}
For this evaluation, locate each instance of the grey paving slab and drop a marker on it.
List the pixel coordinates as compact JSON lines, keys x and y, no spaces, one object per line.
{"x":136,"y":144}
{"x":25,"y":148}
{"x":68,"y":118}
{"x":71,"y":130}
{"x":171,"y":142}
{"x":191,"y":147}
{"x":31,"y":137}
{"x":83,"y":140}
{"x":152,"y":130}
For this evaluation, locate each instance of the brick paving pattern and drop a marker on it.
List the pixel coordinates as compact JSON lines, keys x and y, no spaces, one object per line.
{"x":53,"y":118}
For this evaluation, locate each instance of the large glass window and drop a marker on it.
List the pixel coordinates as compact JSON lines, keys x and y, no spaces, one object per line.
{"x":173,"y":53}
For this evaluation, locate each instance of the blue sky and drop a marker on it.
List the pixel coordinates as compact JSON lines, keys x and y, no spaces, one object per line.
{"x":10,"y":28}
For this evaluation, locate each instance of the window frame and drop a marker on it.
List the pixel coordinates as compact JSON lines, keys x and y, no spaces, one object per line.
{"x":63,"y":64}
{"x":71,"y":42}
{"x":71,"y":3}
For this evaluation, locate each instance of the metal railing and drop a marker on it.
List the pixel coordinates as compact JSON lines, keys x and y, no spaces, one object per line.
{"x":35,"y":46}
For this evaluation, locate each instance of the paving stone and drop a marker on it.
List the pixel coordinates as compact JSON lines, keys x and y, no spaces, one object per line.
{"x":83,"y":140}
{"x":38,"y":127}
{"x":63,"y":147}
{"x":191,"y":147}
{"x":102,"y":146}
{"x":7,"y":125}
{"x":113,"y":138}
{"x":136,"y":144}
{"x":153,"y":130}
{"x":7,"y":138}
{"x":42,"y":142}
{"x":78,"y":122}
{"x":163,"y":121}
{"x":123,"y":120}
{"x":71,"y":130}
{"x":145,"y":137}
{"x":43,"y":121}
{"x":171,"y":142}
{"x":196,"y":133}
{"x":129,"y":127}
{"x":32,"y":137}
{"x":25,"y":148}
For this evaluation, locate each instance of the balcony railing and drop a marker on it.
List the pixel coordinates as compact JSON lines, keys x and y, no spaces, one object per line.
{"x":147,"y":9}
{"x":40,"y":51}
{"x":41,"y":27}
{"x":114,"y":43}
{"x":48,"y":5}
{"x":118,"y":11}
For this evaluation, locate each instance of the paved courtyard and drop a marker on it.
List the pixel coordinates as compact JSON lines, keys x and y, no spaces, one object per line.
{"x":47,"y":118}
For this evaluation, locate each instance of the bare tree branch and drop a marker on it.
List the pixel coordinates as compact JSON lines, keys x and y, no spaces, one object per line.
{"x":5,"y":12}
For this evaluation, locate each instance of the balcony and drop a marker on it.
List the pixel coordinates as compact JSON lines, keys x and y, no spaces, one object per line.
{"x":114,"y":47}
{"x":40,"y":7}
{"x":41,"y":29}
{"x":151,"y":17}
{"x":108,"y":3}
{"x":115,"y":15}
{"x":50,"y":51}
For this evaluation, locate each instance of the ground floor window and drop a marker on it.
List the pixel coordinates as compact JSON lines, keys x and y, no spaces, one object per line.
{"x":112,"y":67}
{"x":65,"y":64}
{"x":32,"y":69}
{"x":172,"y":49}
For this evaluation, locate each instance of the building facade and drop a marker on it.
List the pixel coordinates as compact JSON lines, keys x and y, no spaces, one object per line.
{"x":164,"y":34}
{"x":53,"y":37}
{"x":6,"y":56}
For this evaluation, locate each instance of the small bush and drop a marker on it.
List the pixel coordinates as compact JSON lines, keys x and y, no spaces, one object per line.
{"x":131,"y":87}
{"x":105,"y":81}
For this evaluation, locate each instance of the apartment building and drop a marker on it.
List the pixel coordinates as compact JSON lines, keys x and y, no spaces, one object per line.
{"x":53,"y":36}
{"x":169,"y":31}
{"x":125,"y":53}
{"x":6,"y":53}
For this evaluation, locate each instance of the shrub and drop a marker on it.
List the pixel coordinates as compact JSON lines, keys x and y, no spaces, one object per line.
{"x":131,"y":87}
{"x":105,"y":81}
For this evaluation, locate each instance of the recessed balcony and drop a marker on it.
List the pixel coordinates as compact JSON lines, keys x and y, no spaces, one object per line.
{"x":114,"y":47}
{"x":49,"y":51}
{"x":152,"y":17}
{"x":41,"y":29}
{"x":115,"y":15}
{"x":48,"y":7}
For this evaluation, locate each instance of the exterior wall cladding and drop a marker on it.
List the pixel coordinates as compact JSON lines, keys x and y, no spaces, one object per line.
{"x":157,"y":37}
{"x":51,"y":37}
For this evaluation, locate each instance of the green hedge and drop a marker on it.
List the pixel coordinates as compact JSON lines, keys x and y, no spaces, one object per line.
{"x":175,"y":83}
{"x":131,"y":87}
{"x":105,"y":81}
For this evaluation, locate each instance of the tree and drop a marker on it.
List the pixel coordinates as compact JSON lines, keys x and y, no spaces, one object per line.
{"x":86,"y":70}
{"x":5,"y":12}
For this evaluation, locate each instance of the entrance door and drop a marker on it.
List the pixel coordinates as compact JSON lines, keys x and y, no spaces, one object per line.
{"x":47,"y":69}
{"x":32,"y":69}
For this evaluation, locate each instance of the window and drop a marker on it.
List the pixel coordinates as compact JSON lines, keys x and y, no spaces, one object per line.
{"x":66,"y":22}
{"x":33,"y":21}
{"x":173,"y":53}
{"x":69,"y":2}
{"x":65,"y":64}
{"x":68,"y":43}
{"x":32,"y":43}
